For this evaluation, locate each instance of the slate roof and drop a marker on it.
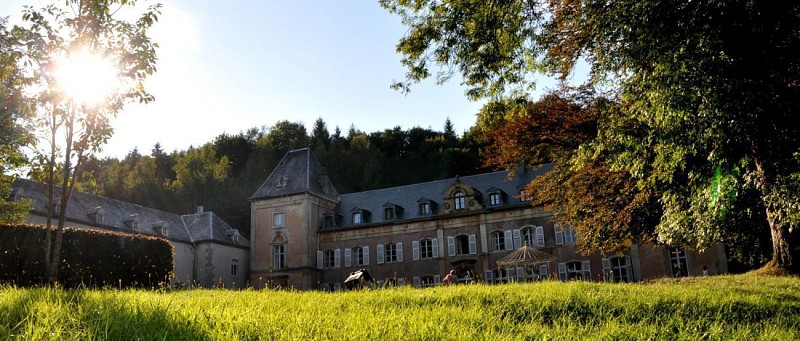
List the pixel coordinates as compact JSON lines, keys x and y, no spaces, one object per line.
{"x":298,"y":172}
{"x":118,"y":215}
{"x":408,"y":197}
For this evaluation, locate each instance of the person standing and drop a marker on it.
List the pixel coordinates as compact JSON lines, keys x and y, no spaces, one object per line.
{"x":451,"y":278}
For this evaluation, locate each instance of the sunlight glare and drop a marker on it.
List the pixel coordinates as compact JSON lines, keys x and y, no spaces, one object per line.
{"x":86,"y":77}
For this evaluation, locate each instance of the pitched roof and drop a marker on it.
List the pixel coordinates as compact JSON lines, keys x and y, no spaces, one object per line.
{"x":118,"y":215}
{"x":298,"y":172}
{"x":408,"y":196}
{"x":525,"y":255}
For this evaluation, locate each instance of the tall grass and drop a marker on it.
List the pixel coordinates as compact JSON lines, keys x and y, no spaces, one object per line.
{"x":725,"y":307}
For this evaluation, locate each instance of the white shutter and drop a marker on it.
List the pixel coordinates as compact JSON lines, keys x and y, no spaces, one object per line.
{"x":435,"y":247}
{"x":509,"y":240}
{"x":587,"y":270}
{"x":399,"y":252}
{"x":607,"y":275}
{"x":415,"y":250}
{"x":366,"y":255}
{"x":521,"y":274}
{"x":417,"y":282}
{"x":562,"y":271}
{"x":348,"y":258}
{"x":539,"y":236}
{"x":451,"y":246}
{"x":319,"y":259}
{"x":337,"y":261}
{"x":489,"y":276}
{"x":628,"y":268}
{"x":379,"y":253}
{"x":517,"y":239}
{"x":473,"y":244}
{"x":559,"y":235}
{"x":437,"y":279}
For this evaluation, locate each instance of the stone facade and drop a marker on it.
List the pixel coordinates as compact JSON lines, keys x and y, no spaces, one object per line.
{"x":307,"y":236}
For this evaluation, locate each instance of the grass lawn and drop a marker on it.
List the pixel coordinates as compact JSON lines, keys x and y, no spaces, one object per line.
{"x":742,"y":307}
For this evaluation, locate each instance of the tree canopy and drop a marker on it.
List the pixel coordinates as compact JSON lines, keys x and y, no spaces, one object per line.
{"x":706,"y":96}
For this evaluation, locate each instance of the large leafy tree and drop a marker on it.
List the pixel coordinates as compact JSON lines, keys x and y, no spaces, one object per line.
{"x":707,"y":91}
{"x":63,"y":47}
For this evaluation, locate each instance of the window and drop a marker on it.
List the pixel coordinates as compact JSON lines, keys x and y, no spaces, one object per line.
{"x":498,"y":239}
{"x":494,"y":199}
{"x":279,"y":219}
{"x":426,"y":249}
{"x":425,"y":208}
{"x":278,"y":257}
{"x":462,"y":245}
{"x":677,"y":258}
{"x":358,"y":255}
{"x":328,"y":259}
{"x":357,"y":218}
{"x":524,"y":196}
{"x":529,"y":236}
{"x":390,"y":252}
{"x":460,"y":200}
{"x":574,"y":270}
{"x":388,"y":213}
{"x":565,"y":235}
{"x":617,"y":269}
{"x":427,"y":281}
{"x":234,"y":267}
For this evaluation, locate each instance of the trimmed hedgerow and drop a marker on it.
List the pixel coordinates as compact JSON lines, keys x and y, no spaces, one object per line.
{"x":88,"y":257}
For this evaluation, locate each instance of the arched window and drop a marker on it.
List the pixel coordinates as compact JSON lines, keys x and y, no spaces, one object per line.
{"x":460,"y":200}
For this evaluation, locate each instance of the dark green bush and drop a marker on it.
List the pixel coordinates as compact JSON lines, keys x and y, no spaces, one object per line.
{"x":88,"y":257}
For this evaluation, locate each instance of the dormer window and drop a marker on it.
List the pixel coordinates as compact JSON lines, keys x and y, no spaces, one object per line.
{"x":426,"y":207}
{"x":162,"y":227}
{"x":332,"y":219}
{"x":392,"y":211}
{"x":496,"y":196}
{"x":133,"y":221}
{"x":360,"y":216}
{"x":460,"y":201}
{"x":98,"y":215}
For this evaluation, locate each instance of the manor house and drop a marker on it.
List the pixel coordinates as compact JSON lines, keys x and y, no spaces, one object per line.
{"x":305,"y":235}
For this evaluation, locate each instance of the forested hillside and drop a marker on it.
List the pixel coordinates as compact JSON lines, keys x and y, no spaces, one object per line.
{"x":222,"y":174}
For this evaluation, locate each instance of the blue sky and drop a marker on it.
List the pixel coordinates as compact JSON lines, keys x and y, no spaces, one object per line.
{"x":227,"y":66}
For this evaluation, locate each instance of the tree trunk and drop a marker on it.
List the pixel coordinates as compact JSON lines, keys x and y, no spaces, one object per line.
{"x":55,"y":262}
{"x":783,"y":251}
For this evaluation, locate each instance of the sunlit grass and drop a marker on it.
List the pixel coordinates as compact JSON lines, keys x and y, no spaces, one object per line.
{"x":726,"y":307}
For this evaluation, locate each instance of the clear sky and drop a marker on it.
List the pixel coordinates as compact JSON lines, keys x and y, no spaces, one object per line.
{"x":227,"y":66}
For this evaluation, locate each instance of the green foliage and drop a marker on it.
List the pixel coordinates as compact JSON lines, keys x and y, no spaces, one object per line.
{"x":744,"y":307}
{"x":89,"y":258}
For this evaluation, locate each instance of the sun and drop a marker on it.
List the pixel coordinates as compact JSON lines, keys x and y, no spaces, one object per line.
{"x":87,"y":78}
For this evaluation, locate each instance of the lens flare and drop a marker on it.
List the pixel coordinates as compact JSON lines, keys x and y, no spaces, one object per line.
{"x":87,"y":78}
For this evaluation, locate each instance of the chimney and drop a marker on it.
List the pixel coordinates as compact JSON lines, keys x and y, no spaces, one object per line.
{"x":199,"y":209}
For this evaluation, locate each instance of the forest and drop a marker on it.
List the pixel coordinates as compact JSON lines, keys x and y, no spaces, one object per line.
{"x":222,"y":174}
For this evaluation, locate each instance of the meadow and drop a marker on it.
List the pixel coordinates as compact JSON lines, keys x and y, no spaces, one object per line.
{"x":742,"y":307}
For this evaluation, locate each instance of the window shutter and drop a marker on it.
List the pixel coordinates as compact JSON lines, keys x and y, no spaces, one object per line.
{"x":337,"y":258}
{"x":379,"y":253}
{"x":415,"y":250}
{"x":562,"y":271}
{"x":399,"y":251}
{"x":587,"y":270}
{"x":348,"y":258}
{"x":607,"y":276}
{"x":435,"y":247}
{"x":437,"y":279}
{"x":517,"y":239}
{"x":489,"y":276}
{"x":319,"y":259}
{"x":628,"y":268}
{"x":539,"y":236}
{"x":417,"y":282}
{"x":509,"y":240}
{"x":366,"y":255}
{"x":451,"y":246}
{"x":473,"y":247}
{"x":521,"y":274}
{"x":559,"y":235}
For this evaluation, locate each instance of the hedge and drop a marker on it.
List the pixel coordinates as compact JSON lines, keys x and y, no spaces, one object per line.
{"x":88,"y":257}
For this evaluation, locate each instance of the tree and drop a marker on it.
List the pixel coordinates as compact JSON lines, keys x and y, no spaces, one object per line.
{"x":13,"y":137}
{"x":285,"y":136}
{"x":66,"y":47}
{"x":707,"y":93}
{"x":198,"y":173}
